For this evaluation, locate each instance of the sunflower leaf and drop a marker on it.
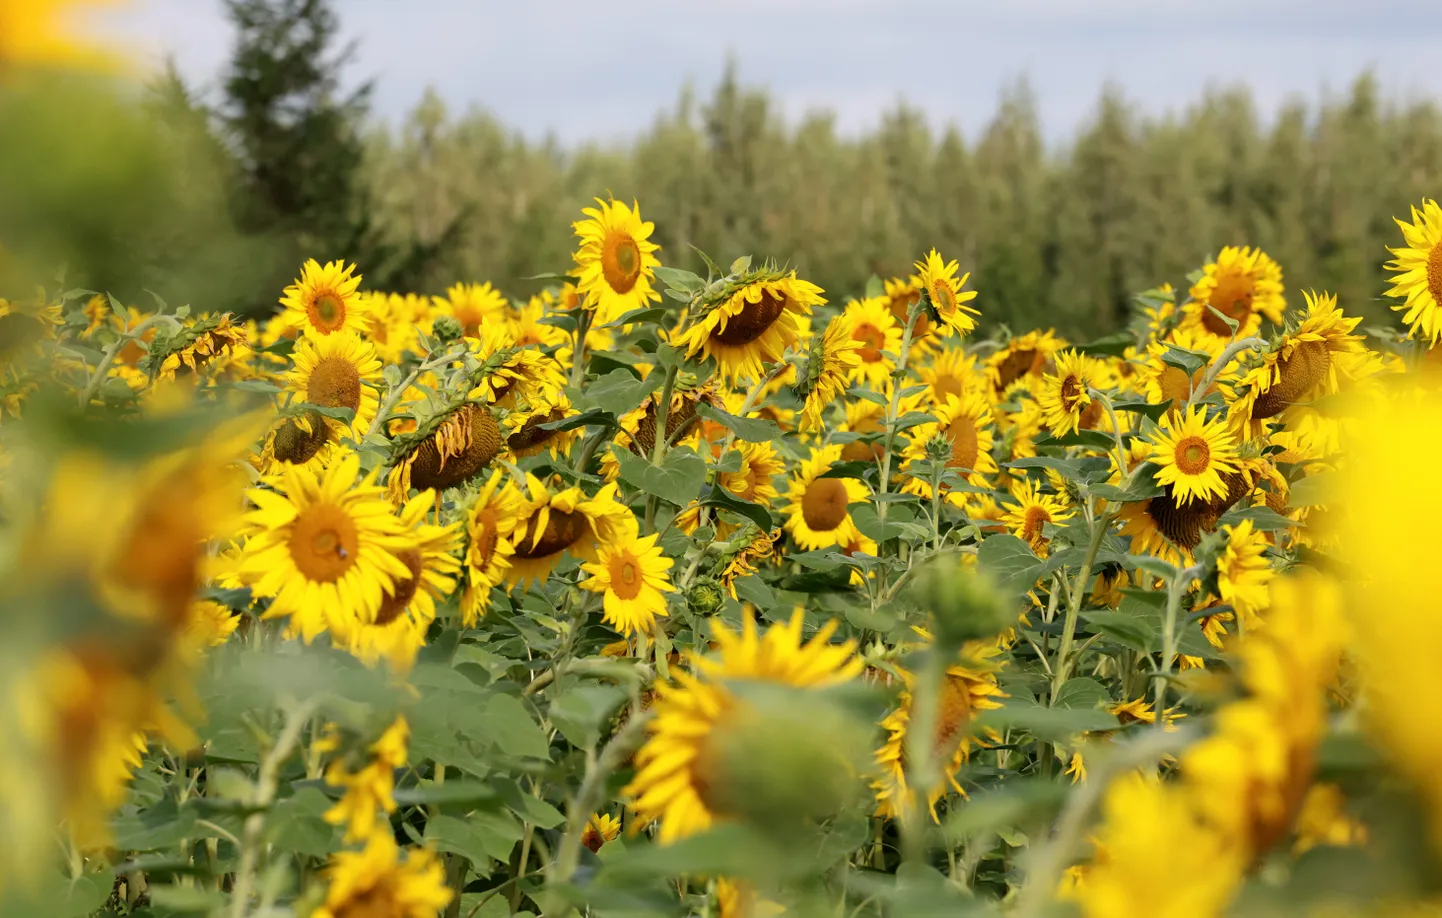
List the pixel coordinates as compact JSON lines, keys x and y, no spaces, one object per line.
{"x":676,"y":481}
{"x":619,"y":391}
{"x":752,"y":430}
{"x":720,"y":497}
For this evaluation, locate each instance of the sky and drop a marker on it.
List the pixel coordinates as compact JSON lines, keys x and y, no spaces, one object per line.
{"x":601,"y":71}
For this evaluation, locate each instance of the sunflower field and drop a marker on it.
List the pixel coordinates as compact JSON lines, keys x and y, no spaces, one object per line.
{"x":661,"y":594}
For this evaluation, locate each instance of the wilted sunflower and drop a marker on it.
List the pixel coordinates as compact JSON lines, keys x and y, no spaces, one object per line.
{"x":192,"y":347}
{"x":378,"y":881}
{"x":1419,"y":272}
{"x":338,"y":371}
{"x":566,"y":521}
{"x":755,"y":324}
{"x":639,"y":427}
{"x":445,"y":450}
{"x":630,"y":573}
{"x":966,"y":424}
{"x":1066,"y":404}
{"x":742,"y":563}
{"x":968,"y":688}
{"x":474,"y":306}
{"x":943,"y":291}
{"x":1244,"y":285}
{"x":491,"y":523}
{"x":324,"y":301}
{"x":1244,"y":573}
{"x":398,"y":631}
{"x":1193,"y":454}
{"x":833,"y":359}
{"x":1022,"y":362}
{"x":324,"y":549}
{"x":679,"y":775}
{"x":819,"y":509}
{"x":304,"y":439}
{"x":616,"y":261}
{"x":1027,"y":520}
{"x":872,"y":326}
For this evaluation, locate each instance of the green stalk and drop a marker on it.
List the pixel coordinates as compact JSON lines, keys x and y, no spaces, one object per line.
{"x":1074,"y":600}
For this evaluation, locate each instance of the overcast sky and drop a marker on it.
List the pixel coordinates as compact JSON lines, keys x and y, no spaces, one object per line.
{"x":601,"y":70}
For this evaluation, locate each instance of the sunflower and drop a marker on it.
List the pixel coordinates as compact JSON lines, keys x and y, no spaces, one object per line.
{"x":966,"y":423}
{"x":395,"y":321}
{"x":474,"y":306}
{"x":631,"y":576}
{"x":447,"y":450}
{"x":1022,"y":362}
{"x":600,"y":828}
{"x":527,"y":330}
{"x":901,"y":294}
{"x":678,"y":777}
{"x":203,"y":341}
{"x":1169,"y":529}
{"x":324,"y":550}
{"x":525,"y":437}
{"x":616,"y":261}
{"x":865,"y":418}
{"x":756,"y":323}
{"x":567,"y":521}
{"x":968,"y":688}
{"x":323,"y":301}
{"x":762,"y":545}
{"x":1244,"y":285}
{"x":338,"y":371}
{"x":378,"y":881}
{"x":1193,"y":454}
{"x":399,"y":630}
{"x":683,"y":426}
{"x":1027,"y":520}
{"x":944,"y":292}
{"x":834,"y":358}
{"x":209,"y":624}
{"x":1419,"y":272}
{"x":760,"y":464}
{"x":819,"y":509}
{"x":506,"y":375}
{"x":305,"y":439}
{"x":491,"y":523}
{"x":951,"y":371}
{"x":872,"y":326}
{"x":1166,"y":384}
{"x":372,"y":787}
{"x":1066,"y":403}
{"x":1244,"y":573}
{"x":42,"y":32}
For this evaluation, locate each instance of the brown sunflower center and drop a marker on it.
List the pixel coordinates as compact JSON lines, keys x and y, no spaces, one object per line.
{"x":872,"y":341}
{"x":900,"y":305}
{"x":531,"y":435}
{"x":620,"y":261}
{"x":952,"y":715}
{"x":327,"y":312}
{"x":324,"y":543}
{"x":377,"y":902}
{"x":562,"y":531}
{"x":964,"y":445}
{"x":483,"y":546}
{"x":334,"y":383}
{"x":297,"y":446}
{"x":1232,"y":297}
{"x":1072,"y":392}
{"x":626,"y":581}
{"x":945,"y":384}
{"x":162,"y":551}
{"x":824,"y":505}
{"x":752,"y":321}
{"x":1035,"y":518}
{"x":395,"y":603}
{"x":1016,"y":365}
{"x":943,"y":297}
{"x":1193,"y":455}
{"x":1181,"y":524}
{"x":1298,"y":373}
{"x":1434,"y":272}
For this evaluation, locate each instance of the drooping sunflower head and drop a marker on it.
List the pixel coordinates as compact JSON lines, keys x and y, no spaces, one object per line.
{"x":944,"y":291}
{"x":819,"y":509}
{"x":1022,"y":363}
{"x":682,"y":778}
{"x":1193,"y":454}
{"x":616,"y":262}
{"x":504,"y":374}
{"x":1418,"y":277}
{"x":1066,"y":404}
{"x":965,"y":424}
{"x":408,"y":607}
{"x":304,"y":439}
{"x":554,"y":523}
{"x":338,"y":371}
{"x":631,"y":574}
{"x":189,"y":350}
{"x":474,"y":306}
{"x":324,"y":549}
{"x":1243,"y":284}
{"x":754,"y":481}
{"x":444,"y":451}
{"x":871,"y":324}
{"x":491,"y":524}
{"x":832,"y":360}
{"x":753,"y":325}
{"x":23,"y":326}
{"x":324,"y":300}
{"x":526,"y":434}
{"x":1033,"y":510}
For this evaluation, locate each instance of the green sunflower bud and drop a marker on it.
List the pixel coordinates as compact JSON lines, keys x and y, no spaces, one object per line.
{"x":705,"y":597}
{"x":964,"y":603}
{"x":447,"y":329}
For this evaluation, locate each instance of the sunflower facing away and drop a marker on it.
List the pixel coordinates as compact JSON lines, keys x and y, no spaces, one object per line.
{"x":338,"y":371}
{"x":1419,"y":272}
{"x":1022,"y":362}
{"x":324,"y":550}
{"x":1193,"y":454}
{"x":756,"y":325}
{"x":474,"y":306}
{"x":378,"y":881}
{"x":1066,"y":404}
{"x":834,"y":358}
{"x":525,"y":435}
{"x":631,"y":575}
{"x":679,"y":776}
{"x":943,"y":289}
{"x":818,"y":513}
{"x":1243,"y":284}
{"x":616,"y":261}
{"x":324,"y":301}
{"x":490,"y":525}
{"x":873,"y":327}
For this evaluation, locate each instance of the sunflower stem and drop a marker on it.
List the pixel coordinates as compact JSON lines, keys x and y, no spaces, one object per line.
{"x":1116,"y":429}
{"x":658,"y":449}
{"x":920,"y":754}
{"x":898,"y":378}
{"x":1215,"y":370}
{"x":394,"y":394}
{"x":1175,"y":589}
{"x":578,"y":356}
{"x":1099,"y":525}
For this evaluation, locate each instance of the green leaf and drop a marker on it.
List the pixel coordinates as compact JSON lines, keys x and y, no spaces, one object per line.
{"x":164,"y":825}
{"x":619,"y":391}
{"x":581,"y":711}
{"x":187,"y":899}
{"x":452,"y":793}
{"x":1263,"y":518}
{"x":1188,"y":362}
{"x":1014,"y":803}
{"x":1143,"y":408}
{"x":637,"y":317}
{"x":754,"y":590}
{"x":677,"y":480}
{"x":299,"y":826}
{"x":63,"y":897}
{"x":1113,"y":345}
{"x":1081,"y":692}
{"x":1312,"y":490}
{"x":548,"y":275}
{"x":593,"y":418}
{"x":863,"y":514}
{"x":681,"y":280}
{"x":478,"y":838}
{"x":752,"y":430}
{"x":1011,"y":562}
{"x":854,"y":469}
{"x":513,"y":730}
{"x":718,"y":496}
{"x":1050,"y":725}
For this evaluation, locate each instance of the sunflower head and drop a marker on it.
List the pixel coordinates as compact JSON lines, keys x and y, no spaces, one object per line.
{"x":1245,"y":286}
{"x":338,"y":371}
{"x":446,"y":450}
{"x":324,"y":300}
{"x":616,"y":262}
{"x":1193,"y":454}
{"x":473,"y":307}
{"x":631,"y":574}
{"x":491,"y":523}
{"x":1418,"y":277}
{"x":945,"y":295}
{"x":554,"y":523}
{"x":1065,"y":399}
{"x":819,"y":511}
{"x":755,"y":319}
{"x":965,"y":425}
{"x":833,"y":358}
